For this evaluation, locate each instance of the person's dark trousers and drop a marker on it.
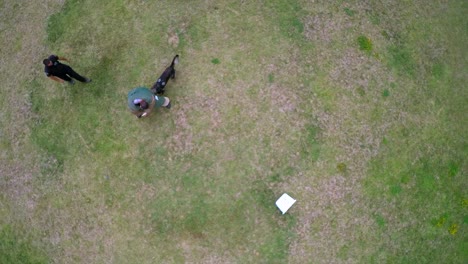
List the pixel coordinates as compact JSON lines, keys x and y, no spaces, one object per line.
{"x":70,"y":72}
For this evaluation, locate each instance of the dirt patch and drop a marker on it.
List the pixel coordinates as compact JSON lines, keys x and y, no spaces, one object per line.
{"x":282,"y":99}
{"x":211,"y":106}
{"x":354,"y":69}
{"x":331,"y":206}
{"x":21,"y":54}
{"x":181,"y":140}
{"x":173,"y":39}
{"x":323,"y":27}
{"x":16,"y":185}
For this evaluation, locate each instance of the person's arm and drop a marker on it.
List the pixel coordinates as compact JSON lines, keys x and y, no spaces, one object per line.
{"x":149,"y":107}
{"x":141,"y":113}
{"x":62,"y":59}
{"x":146,"y":112}
{"x":56,"y":79}
{"x":138,"y":113}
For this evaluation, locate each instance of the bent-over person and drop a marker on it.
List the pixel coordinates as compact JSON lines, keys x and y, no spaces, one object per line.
{"x":141,"y":101}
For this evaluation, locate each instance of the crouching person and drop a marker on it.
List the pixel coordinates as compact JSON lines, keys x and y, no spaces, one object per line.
{"x":141,"y":101}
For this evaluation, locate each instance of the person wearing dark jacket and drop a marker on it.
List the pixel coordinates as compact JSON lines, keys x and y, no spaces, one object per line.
{"x":60,"y":72}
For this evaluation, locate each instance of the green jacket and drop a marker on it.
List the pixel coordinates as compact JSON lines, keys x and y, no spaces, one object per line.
{"x":145,"y":94}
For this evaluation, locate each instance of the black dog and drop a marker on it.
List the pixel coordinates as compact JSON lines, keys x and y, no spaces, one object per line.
{"x":158,"y":87}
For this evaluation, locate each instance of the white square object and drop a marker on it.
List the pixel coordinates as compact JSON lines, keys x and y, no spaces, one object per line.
{"x":285,"y":202}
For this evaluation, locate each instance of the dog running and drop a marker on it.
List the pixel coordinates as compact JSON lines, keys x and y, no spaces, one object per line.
{"x":169,"y":72}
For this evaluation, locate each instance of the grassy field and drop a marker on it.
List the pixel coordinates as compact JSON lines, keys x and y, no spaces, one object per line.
{"x":357,"y":109}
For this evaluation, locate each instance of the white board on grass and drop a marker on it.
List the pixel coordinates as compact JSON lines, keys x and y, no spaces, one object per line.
{"x":285,"y":202}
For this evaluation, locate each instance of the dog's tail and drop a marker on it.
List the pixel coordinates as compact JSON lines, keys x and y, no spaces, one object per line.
{"x":175,"y":61}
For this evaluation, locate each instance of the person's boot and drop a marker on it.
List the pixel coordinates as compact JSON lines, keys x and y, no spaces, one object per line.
{"x":88,"y":80}
{"x":168,"y":106}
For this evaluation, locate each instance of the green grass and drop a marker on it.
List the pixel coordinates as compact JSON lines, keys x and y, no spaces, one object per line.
{"x":417,"y":175}
{"x":288,"y":15}
{"x":402,"y":60}
{"x":365,"y":44}
{"x":18,"y":248}
{"x":386,"y":93}
{"x":349,"y":12}
{"x":312,"y":145}
{"x":269,"y":98}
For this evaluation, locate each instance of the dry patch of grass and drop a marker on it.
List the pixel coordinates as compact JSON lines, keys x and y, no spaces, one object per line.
{"x":21,"y":49}
{"x":368,"y":103}
{"x":22,"y":32}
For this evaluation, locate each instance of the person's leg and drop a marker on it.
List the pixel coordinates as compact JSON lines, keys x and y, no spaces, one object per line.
{"x":66,"y":78}
{"x":167,"y":103}
{"x":76,"y":76}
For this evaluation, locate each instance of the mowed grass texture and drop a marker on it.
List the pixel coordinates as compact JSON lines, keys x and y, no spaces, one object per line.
{"x":357,"y":110}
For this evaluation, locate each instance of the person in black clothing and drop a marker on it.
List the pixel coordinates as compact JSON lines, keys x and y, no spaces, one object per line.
{"x":61,"y":72}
